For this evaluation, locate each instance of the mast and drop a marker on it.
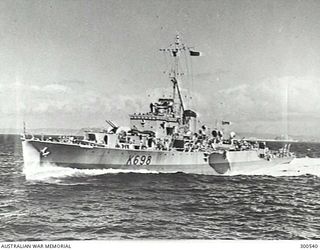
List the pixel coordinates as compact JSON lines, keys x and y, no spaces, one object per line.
{"x":175,"y":50}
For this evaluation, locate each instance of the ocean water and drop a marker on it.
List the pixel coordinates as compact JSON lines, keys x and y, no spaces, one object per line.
{"x":53,"y":203}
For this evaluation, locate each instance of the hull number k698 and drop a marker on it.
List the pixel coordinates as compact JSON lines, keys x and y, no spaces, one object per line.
{"x":139,"y":160}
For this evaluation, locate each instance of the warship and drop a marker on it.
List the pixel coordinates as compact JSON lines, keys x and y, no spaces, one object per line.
{"x":168,"y":138}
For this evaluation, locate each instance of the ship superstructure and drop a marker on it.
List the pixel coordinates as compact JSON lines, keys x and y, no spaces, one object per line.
{"x":167,"y":138}
{"x":168,"y":115}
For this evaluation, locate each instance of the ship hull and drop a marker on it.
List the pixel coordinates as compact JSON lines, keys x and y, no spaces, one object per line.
{"x":84,"y":157}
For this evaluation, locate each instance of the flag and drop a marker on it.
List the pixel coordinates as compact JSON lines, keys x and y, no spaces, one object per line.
{"x":194,"y":53}
{"x":226,"y":123}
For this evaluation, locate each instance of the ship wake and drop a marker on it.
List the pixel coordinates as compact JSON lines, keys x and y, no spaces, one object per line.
{"x":298,"y":167}
{"x":52,"y":173}
{"x":49,"y":172}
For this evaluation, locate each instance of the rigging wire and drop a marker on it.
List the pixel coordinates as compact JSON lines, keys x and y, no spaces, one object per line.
{"x":168,"y":65}
{"x":192,"y":80}
{"x":188,"y":78}
{"x":166,"y":62}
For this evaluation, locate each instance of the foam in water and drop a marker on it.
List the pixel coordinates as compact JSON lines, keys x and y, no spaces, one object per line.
{"x":47,"y":171}
{"x":298,"y":166}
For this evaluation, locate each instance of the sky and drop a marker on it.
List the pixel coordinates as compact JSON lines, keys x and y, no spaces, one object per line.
{"x":74,"y":64}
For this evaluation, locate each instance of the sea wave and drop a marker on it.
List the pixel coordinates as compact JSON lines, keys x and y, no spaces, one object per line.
{"x":56,"y":203}
{"x":52,"y":173}
{"x":297,"y":167}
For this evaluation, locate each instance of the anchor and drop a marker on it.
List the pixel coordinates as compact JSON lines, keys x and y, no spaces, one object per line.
{"x":44,"y":152}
